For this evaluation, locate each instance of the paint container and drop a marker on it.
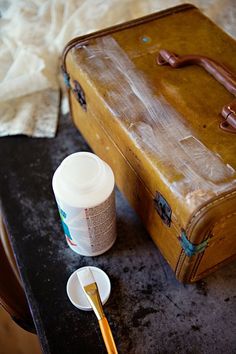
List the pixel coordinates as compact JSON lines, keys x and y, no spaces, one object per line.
{"x":83,"y":185}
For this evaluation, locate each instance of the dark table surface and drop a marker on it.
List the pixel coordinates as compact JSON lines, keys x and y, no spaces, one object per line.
{"x":148,"y":310}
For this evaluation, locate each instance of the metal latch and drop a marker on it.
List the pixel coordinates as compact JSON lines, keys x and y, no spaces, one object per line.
{"x":79,"y":95}
{"x":163,"y":208}
{"x":76,"y":89}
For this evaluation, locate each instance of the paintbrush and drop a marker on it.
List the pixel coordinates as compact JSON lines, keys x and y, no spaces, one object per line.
{"x":90,"y":289}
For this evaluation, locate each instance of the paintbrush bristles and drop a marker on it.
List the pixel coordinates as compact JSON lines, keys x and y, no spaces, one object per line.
{"x":90,"y":289}
{"x":85,"y":277}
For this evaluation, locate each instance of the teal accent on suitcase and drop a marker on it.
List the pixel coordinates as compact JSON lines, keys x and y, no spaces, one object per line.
{"x":163,"y":208}
{"x":66,"y":78}
{"x":76,"y":88}
{"x":189,"y":248}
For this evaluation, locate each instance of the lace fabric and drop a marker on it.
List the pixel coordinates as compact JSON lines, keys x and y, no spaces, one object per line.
{"x":32,"y":37}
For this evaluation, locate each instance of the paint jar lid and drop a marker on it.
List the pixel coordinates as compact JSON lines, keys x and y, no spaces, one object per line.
{"x":82,"y":171}
{"x":83,"y":180}
{"x":76,"y":293}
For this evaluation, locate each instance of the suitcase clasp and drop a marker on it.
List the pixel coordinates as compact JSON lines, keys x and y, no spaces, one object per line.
{"x":163,"y":208}
{"x":79,"y":95}
{"x":76,"y":89}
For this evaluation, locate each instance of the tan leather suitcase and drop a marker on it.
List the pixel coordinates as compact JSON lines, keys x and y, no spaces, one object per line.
{"x":166,"y":126}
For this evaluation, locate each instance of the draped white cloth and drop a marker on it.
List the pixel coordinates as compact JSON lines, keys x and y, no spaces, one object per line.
{"x":33,"y":34}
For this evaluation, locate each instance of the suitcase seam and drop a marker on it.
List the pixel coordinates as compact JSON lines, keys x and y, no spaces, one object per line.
{"x":208,"y":271}
{"x":183,"y":256}
{"x":200,"y":255}
{"x":208,"y":206}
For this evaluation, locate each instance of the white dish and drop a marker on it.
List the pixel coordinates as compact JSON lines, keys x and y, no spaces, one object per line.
{"x":76,"y":293}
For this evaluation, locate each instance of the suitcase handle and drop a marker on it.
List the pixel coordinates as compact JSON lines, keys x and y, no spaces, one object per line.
{"x":218,"y":71}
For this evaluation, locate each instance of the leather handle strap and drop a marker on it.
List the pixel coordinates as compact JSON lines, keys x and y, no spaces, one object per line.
{"x":220,"y":72}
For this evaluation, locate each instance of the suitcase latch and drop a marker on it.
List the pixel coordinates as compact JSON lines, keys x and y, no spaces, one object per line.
{"x":76,"y":88}
{"x":79,"y":94}
{"x":163,"y":208}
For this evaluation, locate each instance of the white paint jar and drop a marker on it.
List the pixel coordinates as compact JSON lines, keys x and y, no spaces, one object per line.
{"x":83,"y":185}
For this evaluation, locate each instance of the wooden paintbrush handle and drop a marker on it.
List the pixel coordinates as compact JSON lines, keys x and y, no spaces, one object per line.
{"x":107,"y":336}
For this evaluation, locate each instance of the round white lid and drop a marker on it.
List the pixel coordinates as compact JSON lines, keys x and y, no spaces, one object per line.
{"x":76,"y":293}
{"x":82,"y":171}
{"x":83,"y":180}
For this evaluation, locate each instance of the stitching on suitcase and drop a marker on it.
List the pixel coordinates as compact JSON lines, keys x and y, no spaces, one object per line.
{"x":225,"y":218}
{"x":198,"y":261}
{"x":200,"y":256}
{"x":182,"y":256}
{"x":180,"y":263}
{"x":224,"y":261}
{"x":226,"y":196}
{"x":196,"y":265}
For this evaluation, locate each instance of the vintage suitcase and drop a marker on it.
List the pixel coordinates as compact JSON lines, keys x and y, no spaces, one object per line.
{"x":166,"y":126}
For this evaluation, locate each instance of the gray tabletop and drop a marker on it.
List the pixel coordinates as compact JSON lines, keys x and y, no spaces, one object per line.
{"x":148,"y":310}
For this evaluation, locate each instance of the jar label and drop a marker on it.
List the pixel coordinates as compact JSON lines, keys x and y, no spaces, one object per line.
{"x":89,"y":231}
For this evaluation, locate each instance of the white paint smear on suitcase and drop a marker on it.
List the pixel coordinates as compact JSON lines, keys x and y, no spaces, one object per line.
{"x":154,"y":124}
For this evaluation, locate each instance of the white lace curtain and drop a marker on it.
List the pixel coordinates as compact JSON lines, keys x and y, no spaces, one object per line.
{"x":32,"y":36}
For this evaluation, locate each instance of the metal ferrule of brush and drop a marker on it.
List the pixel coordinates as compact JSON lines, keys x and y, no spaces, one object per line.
{"x":94,"y":299}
